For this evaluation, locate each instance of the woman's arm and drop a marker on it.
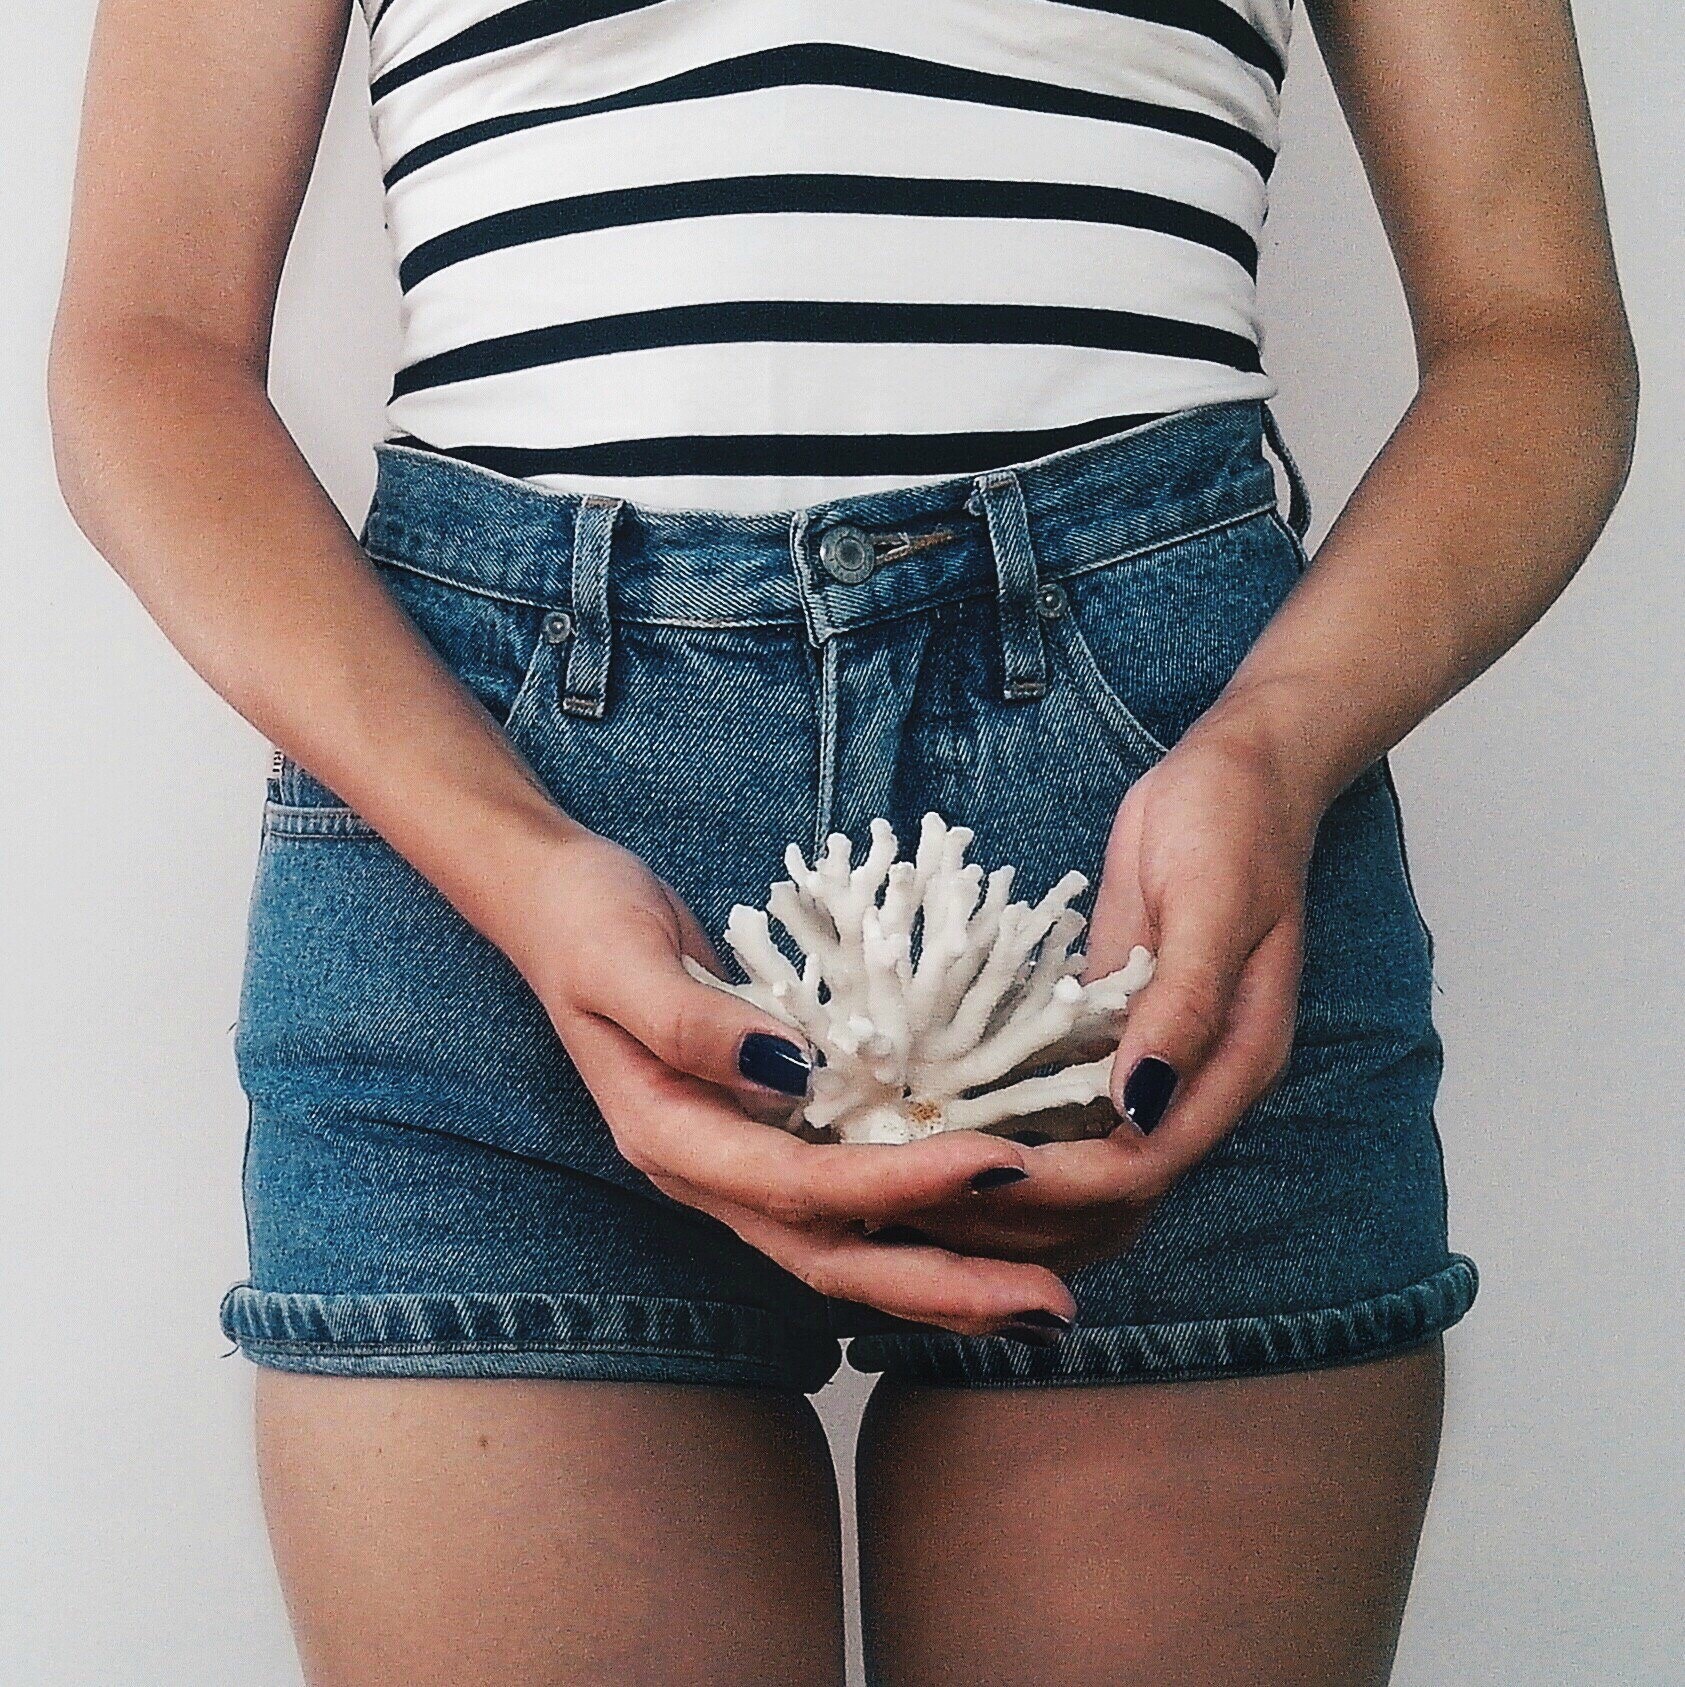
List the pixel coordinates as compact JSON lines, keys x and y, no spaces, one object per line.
{"x":197,"y":142}
{"x":200,"y":127}
{"x":1472,"y":121}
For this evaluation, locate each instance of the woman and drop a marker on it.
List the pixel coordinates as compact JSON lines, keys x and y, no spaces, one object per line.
{"x":808,"y":412}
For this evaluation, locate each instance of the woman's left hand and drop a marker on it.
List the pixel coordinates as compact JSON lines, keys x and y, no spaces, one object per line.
{"x":1206,"y":866}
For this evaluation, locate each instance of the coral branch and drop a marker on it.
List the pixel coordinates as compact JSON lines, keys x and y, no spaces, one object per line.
{"x":1071,"y":1086}
{"x":927,"y":990}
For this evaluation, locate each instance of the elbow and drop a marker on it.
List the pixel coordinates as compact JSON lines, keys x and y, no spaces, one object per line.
{"x":68,"y":386}
{"x":1601,"y":381}
{"x":1575,"y":360}
{"x":1597,"y":344}
{"x":1605,"y":384}
{"x":123,"y":386}
{"x":1625,"y":384}
{"x":90,"y":386}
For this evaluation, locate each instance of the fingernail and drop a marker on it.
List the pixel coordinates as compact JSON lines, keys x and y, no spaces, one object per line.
{"x":1147,"y":1092}
{"x":775,"y":1063}
{"x":1028,"y":1337}
{"x":903,"y":1233}
{"x":1030,"y":1139}
{"x":1035,"y":1328}
{"x":997,"y":1177}
{"x":1043,"y":1319}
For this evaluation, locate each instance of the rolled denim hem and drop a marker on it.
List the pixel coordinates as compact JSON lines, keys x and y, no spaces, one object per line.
{"x":1184,"y":1352}
{"x":588,"y":1337}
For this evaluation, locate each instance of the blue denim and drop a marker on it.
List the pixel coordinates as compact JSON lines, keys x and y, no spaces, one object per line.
{"x":431,"y":1191}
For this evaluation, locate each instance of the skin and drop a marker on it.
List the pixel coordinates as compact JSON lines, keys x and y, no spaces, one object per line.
{"x":1471,"y":119}
{"x":552,"y":1532}
{"x":1173,"y":1535}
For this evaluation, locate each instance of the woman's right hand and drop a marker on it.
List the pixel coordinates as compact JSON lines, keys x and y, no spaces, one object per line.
{"x":688,"y":1076}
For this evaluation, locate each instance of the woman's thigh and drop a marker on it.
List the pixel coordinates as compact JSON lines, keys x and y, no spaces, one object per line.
{"x":1197,"y":1534}
{"x":550,"y":1533}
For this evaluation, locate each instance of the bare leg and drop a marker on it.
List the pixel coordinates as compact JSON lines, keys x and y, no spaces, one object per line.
{"x":542,"y":1534}
{"x":1217,"y":1534}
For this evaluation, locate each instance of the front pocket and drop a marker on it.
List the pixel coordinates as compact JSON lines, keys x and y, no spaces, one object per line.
{"x":495,"y":646}
{"x":1070,"y":651}
{"x":1149,"y":642}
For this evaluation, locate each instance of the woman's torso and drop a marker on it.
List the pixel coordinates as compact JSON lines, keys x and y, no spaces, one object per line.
{"x":752,"y":254}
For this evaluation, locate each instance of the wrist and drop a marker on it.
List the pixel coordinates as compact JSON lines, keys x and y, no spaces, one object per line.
{"x":503,"y":857}
{"x":1281,"y":746}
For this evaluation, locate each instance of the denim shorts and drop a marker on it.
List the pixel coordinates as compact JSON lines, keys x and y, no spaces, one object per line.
{"x":430,"y":1190}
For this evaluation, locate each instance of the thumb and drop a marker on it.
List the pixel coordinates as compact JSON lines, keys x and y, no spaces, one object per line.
{"x":1179,"y":1017}
{"x":707,"y":1032}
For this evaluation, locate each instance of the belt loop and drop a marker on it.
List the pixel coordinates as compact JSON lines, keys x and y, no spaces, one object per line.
{"x":999,"y":498}
{"x":585,"y":685}
{"x":1298,"y":494}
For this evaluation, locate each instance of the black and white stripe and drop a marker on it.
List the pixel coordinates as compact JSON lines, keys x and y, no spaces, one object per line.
{"x":750,"y":254}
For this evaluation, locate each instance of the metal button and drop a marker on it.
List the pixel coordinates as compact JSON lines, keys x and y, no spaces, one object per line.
{"x":558,"y":627}
{"x":1051,"y":601}
{"x":847,"y":554}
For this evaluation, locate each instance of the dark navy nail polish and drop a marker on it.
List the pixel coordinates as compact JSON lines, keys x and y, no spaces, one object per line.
{"x":1042,"y":1319}
{"x":902,"y":1233}
{"x":997,"y":1177}
{"x":1030,"y":1139}
{"x":1030,"y":1335}
{"x":1147,"y":1092}
{"x":775,"y":1063}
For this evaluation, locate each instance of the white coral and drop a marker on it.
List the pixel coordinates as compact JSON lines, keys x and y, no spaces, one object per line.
{"x":928,"y":994}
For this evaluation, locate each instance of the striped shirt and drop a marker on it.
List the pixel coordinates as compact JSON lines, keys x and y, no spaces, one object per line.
{"x":752,"y":254}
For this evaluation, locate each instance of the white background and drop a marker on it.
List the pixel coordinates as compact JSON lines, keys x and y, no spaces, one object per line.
{"x":1546,"y":825}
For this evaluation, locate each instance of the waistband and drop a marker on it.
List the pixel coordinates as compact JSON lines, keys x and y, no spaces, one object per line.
{"x":835,"y":566}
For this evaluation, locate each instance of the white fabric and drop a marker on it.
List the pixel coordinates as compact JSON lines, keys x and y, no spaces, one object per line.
{"x":874,"y":382}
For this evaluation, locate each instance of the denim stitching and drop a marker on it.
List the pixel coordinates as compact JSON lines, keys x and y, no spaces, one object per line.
{"x":473,"y":587}
{"x":1164,"y":544}
{"x":1023,"y":646}
{"x":812,"y":595}
{"x":290,"y":820}
{"x":424,"y":1349}
{"x":1086,"y":674}
{"x":825,"y":791}
{"x":982,"y":591}
{"x":685,"y":624}
{"x":1312,"y":1339}
{"x":1301,"y":555}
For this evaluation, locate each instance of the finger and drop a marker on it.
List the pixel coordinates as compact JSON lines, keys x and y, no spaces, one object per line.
{"x":1001,"y":1227}
{"x":668,"y":1123}
{"x":1057,"y":1240}
{"x":693,"y":940}
{"x":1120,"y":919}
{"x":1252,"y":1052}
{"x":770,"y":1104}
{"x":1106,"y":1171}
{"x":925,"y":1283}
{"x":962,"y":1231}
{"x":1203,"y":940}
{"x":694,"y":1027}
{"x":1077,"y":1237}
